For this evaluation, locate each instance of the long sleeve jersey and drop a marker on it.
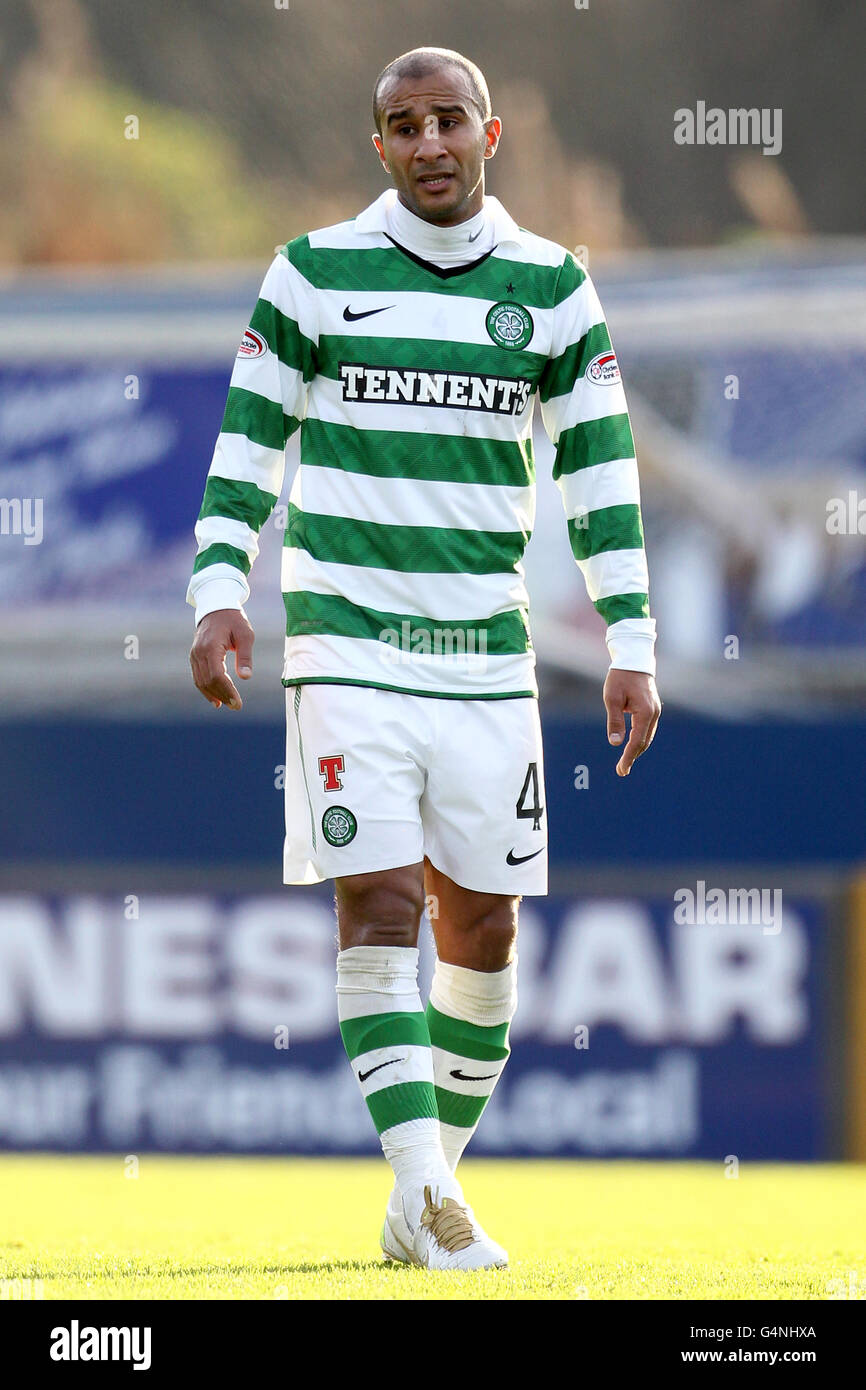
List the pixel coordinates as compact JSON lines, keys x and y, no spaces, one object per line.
{"x":413,"y":386}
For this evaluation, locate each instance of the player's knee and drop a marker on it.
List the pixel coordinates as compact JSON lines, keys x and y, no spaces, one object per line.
{"x":380,"y":909}
{"x":494,"y":935}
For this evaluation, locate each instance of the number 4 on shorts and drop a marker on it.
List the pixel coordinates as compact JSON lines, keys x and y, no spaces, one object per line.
{"x":536,"y":810}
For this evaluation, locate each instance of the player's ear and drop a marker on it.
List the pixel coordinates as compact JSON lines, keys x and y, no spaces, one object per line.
{"x":380,"y":149}
{"x":493,"y":129}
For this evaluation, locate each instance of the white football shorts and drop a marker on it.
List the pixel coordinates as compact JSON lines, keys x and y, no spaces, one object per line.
{"x":376,"y":779}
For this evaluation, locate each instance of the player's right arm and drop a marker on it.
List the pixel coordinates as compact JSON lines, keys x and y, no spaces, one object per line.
{"x":266,"y":404}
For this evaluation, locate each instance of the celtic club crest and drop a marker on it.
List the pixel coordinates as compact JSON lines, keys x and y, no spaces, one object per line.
{"x":509,"y":325}
{"x":339,"y":825}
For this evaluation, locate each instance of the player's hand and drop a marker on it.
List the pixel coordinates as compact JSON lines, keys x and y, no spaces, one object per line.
{"x":226,"y":630}
{"x":634,"y":693}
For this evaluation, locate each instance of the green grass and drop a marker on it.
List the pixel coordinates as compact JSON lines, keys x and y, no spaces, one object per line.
{"x":294,"y":1228}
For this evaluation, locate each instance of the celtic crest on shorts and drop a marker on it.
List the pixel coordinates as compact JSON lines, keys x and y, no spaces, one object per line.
{"x":339,"y":825}
{"x":509,"y":324}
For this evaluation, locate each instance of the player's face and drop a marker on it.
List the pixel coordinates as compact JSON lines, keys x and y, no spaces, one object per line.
{"x":434,"y":144}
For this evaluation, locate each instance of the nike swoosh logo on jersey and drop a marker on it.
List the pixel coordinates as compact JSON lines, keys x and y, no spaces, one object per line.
{"x":477,"y":234}
{"x":365,"y":313}
{"x":459,"y":1076}
{"x":510,"y":857}
{"x":362,"y":1075}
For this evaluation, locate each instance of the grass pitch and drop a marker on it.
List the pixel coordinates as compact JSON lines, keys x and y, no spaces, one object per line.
{"x":228,"y":1228}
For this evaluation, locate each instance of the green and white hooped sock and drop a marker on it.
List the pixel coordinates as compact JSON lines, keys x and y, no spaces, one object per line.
{"x":385,"y":1033}
{"x":469,"y":1015}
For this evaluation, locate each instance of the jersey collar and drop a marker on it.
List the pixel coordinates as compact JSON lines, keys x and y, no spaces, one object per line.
{"x":505,"y":229}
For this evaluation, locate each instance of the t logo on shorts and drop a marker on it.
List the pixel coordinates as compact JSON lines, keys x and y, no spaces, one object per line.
{"x":329,"y":768}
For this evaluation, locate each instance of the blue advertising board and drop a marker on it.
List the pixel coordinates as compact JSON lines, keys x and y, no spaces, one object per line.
{"x":201,"y":1023}
{"x":113,"y":459}
{"x":709,"y":791}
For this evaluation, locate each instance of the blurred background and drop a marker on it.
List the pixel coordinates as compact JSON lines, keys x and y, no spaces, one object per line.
{"x":152,"y":156}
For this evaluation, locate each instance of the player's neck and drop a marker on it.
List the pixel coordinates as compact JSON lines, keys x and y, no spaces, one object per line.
{"x":463,"y":241}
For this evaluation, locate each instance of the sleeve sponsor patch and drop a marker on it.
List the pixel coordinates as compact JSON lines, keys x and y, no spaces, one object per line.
{"x":252,"y":344}
{"x":603,"y":370}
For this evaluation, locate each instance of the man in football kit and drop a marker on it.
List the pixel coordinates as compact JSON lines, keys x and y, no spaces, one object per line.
{"x":408,"y":345}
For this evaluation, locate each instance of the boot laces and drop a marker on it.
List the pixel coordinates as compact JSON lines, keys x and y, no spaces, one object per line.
{"x":449,"y":1222}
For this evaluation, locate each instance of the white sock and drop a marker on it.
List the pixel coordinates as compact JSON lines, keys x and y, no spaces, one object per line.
{"x":385,"y":1033}
{"x":469,"y":1016}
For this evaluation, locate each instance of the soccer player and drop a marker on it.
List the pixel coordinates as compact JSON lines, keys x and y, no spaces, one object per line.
{"x":409,"y":344}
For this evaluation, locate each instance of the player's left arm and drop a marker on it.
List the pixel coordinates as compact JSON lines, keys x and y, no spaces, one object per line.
{"x":584,"y":410}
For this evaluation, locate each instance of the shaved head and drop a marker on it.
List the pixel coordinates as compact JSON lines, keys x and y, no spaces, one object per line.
{"x":419,"y":62}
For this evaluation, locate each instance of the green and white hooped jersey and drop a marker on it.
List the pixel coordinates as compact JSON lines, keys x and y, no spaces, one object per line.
{"x":413,"y":388}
